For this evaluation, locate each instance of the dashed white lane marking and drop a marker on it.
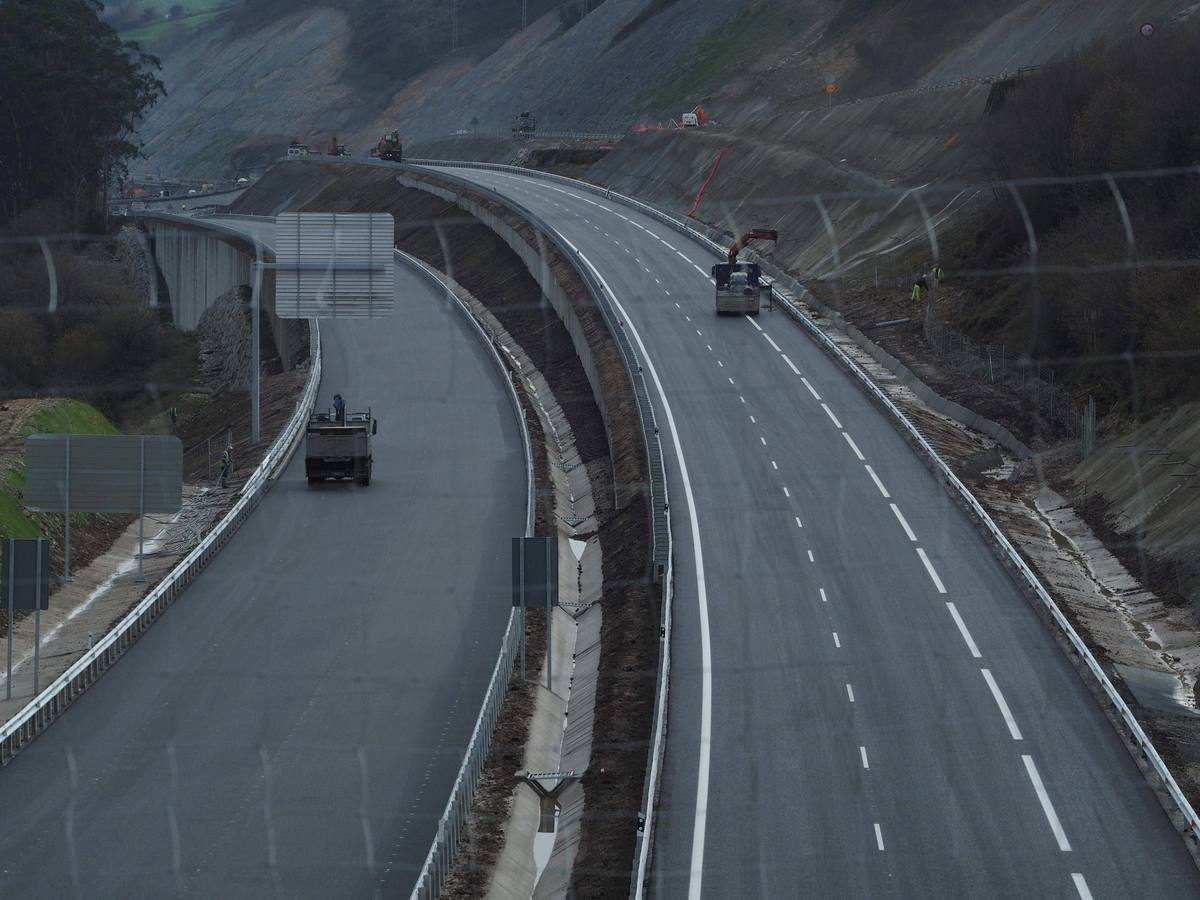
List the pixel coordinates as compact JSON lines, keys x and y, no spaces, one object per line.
{"x":863,"y":751}
{"x":937,"y":582}
{"x":656,"y":281}
{"x":763,"y":439}
{"x":786,"y":492}
{"x":792,"y":366}
{"x":829,"y":412}
{"x":689,"y":318}
{"x":854,"y":446}
{"x":1047,"y":807}
{"x":903,"y":522}
{"x":1003,"y":704}
{"x":700,"y":270}
{"x":850,"y":692}
{"x":709,"y":346}
{"x":810,"y":556}
{"x":721,"y":364}
{"x":811,"y":389}
{"x":962,"y":629}
{"x":755,"y":324}
{"x":699,"y":332}
{"x":731,"y":382}
{"x":837,"y":642}
{"x":878,"y":483}
{"x":799,"y":524}
{"x":824,"y":599}
{"x":753,"y":421}
{"x":775,"y":465}
{"x":668,"y":293}
{"x":771,"y":342}
{"x":740,"y":397}
{"x":878,"y":836}
{"x":1081,"y":886}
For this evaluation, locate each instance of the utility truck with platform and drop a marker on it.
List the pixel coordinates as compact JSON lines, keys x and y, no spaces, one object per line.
{"x":740,"y":288}
{"x":337,"y":444}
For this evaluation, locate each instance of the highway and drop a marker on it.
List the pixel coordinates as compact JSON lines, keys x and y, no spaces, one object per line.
{"x":293,"y":725}
{"x":862,"y":702}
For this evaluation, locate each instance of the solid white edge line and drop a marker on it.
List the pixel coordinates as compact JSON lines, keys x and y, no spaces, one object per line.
{"x":825,"y":406}
{"x":1003,"y":704}
{"x":903,"y":522}
{"x":1081,"y":886}
{"x":811,"y":389}
{"x":791,"y":365}
{"x":700,"y":822}
{"x":854,"y":447}
{"x":1047,"y":807}
{"x":962,"y":629}
{"x":878,"y":836}
{"x":878,"y":483}
{"x":771,"y":342}
{"x":937,"y":582}
{"x":863,"y":751}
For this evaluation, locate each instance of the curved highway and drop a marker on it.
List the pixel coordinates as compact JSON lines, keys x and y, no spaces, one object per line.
{"x":862,"y":702}
{"x":292,"y":726}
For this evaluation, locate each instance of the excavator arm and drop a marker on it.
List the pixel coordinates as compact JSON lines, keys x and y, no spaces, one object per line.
{"x":756,"y":234}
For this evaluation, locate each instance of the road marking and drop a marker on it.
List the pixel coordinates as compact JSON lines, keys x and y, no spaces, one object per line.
{"x":775,"y":465}
{"x":863,"y":751}
{"x":824,"y":599}
{"x":937,"y":582}
{"x":755,"y":324}
{"x":709,"y":346}
{"x":850,"y":692}
{"x":837,"y":641}
{"x":769,"y":341}
{"x":792,"y":366}
{"x":753,"y":421}
{"x":878,"y":483}
{"x":798,"y":523}
{"x":810,"y":556}
{"x":763,"y":439}
{"x":685,"y":315}
{"x":829,"y":412}
{"x":740,"y":397}
{"x":677,"y":306}
{"x":1081,"y":886}
{"x":1003,"y":704}
{"x":668,"y":293}
{"x":731,"y":382}
{"x":903,"y":522}
{"x":962,"y":628}
{"x":721,"y":364}
{"x":700,"y":821}
{"x":786,"y":492}
{"x":811,"y":390}
{"x":878,"y":836}
{"x":1047,"y":807}
{"x":854,"y":447}
{"x":700,"y":270}
{"x":699,"y":332}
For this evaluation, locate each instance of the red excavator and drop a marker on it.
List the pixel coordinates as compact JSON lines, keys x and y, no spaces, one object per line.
{"x":390,"y":147}
{"x":739,"y":285}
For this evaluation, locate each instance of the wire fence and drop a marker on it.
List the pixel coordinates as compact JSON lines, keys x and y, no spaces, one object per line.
{"x":1071,"y":415}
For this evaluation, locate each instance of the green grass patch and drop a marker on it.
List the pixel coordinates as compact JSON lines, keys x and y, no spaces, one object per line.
{"x":71,"y":417}
{"x":170,"y":27}
{"x":758,"y":27}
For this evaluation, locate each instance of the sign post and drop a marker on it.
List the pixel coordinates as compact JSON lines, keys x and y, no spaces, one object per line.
{"x":535,"y":583}
{"x":27,"y":586}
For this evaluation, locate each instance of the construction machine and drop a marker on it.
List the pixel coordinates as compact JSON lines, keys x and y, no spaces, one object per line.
{"x":739,"y":286}
{"x":390,"y":147}
{"x":297,"y":150}
{"x":694,"y":119}
{"x":524,"y":127}
{"x":337,"y":444}
{"x":336,"y":149}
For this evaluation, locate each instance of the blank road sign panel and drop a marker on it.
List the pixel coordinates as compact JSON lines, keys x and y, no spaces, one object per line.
{"x":535,"y":571}
{"x":27,"y":561}
{"x":334,"y":265}
{"x":105,"y":473}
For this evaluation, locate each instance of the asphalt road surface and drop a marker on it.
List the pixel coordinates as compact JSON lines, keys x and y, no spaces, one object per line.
{"x":862,"y":703}
{"x":292,"y":726}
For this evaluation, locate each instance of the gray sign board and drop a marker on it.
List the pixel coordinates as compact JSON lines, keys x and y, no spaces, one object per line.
{"x":535,"y":572}
{"x":103,"y":473}
{"x":25,"y":577}
{"x":334,"y":265}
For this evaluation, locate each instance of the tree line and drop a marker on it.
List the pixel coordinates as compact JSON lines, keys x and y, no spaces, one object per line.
{"x":71,"y":96}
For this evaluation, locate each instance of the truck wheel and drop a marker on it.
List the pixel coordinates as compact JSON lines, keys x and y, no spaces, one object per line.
{"x":312,"y":480}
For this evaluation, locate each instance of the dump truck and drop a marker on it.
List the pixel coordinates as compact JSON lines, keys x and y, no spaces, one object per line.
{"x":740,"y":288}
{"x":390,"y":147}
{"x":337,"y":444}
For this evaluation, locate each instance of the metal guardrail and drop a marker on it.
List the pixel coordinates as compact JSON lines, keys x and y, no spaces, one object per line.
{"x":62,"y":692}
{"x":445,"y":842}
{"x":1138,"y":738}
